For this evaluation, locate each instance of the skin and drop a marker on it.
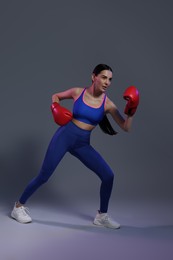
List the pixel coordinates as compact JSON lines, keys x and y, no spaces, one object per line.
{"x":93,"y":97}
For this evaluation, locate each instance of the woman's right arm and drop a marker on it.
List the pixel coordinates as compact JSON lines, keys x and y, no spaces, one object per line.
{"x":71,"y":93}
{"x":124,"y":123}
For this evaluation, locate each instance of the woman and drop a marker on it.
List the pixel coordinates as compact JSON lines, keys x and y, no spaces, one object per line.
{"x":90,"y":108}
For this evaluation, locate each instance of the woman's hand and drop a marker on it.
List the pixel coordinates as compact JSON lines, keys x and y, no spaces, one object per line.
{"x":131,"y":94}
{"x":61,"y":115}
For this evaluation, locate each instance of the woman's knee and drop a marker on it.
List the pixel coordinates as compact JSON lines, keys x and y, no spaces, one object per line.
{"x":108,"y":177}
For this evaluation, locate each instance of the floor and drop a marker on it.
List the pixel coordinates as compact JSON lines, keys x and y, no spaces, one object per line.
{"x":67,"y":232}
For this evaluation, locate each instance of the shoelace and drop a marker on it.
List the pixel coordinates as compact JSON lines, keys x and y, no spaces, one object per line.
{"x":106,"y":218}
{"x":25,"y":210}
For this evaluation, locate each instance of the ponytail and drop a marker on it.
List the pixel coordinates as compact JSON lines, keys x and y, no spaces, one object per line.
{"x":106,"y":126}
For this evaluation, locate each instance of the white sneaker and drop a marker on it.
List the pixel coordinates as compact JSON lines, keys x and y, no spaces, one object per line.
{"x":21,"y":214}
{"x":102,"y":219}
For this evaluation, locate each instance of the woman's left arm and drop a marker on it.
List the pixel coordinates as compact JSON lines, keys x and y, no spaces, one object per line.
{"x":124,"y":123}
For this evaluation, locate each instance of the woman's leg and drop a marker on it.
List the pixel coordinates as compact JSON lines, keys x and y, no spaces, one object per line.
{"x":58,"y":146}
{"x":94,"y":161}
{"x":55,"y":152}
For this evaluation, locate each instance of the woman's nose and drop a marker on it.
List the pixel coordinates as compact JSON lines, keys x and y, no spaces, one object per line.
{"x":106,"y":82}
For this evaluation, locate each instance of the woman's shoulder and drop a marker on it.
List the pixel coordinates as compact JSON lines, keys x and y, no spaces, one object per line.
{"x":77,"y":91}
{"x":109,"y":104}
{"x":109,"y":101}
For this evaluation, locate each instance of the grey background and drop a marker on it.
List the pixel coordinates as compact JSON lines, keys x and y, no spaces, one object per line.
{"x":50,"y":46}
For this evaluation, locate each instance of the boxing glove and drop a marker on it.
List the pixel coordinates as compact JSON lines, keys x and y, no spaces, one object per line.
{"x":131,"y":94}
{"x":61,"y":115}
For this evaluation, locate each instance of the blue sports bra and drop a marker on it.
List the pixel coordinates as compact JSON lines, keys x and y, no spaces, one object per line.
{"x":87,"y":114}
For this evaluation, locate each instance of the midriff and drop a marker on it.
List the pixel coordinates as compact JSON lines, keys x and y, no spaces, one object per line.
{"x":82,"y":125}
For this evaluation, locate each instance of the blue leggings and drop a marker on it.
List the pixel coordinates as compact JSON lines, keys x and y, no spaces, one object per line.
{"x":71,"y":138}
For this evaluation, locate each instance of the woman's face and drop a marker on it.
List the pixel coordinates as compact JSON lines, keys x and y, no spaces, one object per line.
{"x":103,"y":80}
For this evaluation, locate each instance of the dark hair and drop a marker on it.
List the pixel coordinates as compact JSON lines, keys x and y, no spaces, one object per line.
{"x":106,"y":127}
{"x":101,"y":67}
{"x":104,"y":124}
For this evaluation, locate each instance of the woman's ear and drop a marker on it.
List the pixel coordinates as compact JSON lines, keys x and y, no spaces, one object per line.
{"x":93,"y":77}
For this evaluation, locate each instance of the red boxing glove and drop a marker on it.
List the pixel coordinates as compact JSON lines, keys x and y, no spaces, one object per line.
{"x":61,"y":115}
{"x":131,"y":94}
